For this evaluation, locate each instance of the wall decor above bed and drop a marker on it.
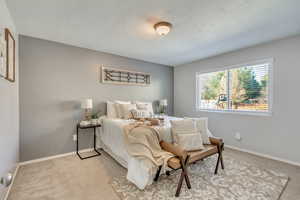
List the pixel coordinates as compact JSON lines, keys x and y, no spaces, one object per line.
{"x":124,"y":77}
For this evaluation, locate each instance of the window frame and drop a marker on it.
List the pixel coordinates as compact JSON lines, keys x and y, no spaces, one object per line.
{"x":269,"y":112}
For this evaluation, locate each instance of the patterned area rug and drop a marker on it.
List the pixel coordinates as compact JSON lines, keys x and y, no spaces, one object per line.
{"x":239,"y":181}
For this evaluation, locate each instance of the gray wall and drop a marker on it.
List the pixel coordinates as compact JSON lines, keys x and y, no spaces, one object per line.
{"x":277,"y":135}
{"x":54,"y":78}
{"x":9,"y":109}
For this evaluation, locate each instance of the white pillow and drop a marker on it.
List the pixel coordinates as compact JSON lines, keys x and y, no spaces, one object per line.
{"x":139,"y":113}
{"x":190,"y":142}
{"x":117,"y":105}
{"x":209,"y":133}
{"x":111,"y":110}
{"x":145,"y":106}
{"x":185,"y":134}
{"x":126,"y":110}
{"x":202,"y":127}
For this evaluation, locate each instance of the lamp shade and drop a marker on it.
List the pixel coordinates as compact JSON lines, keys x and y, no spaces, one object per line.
{"x":87,"y":104}
{"x":163,"y":102}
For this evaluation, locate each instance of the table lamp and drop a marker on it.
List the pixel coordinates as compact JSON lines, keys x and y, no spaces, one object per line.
{"x":87,"y":105}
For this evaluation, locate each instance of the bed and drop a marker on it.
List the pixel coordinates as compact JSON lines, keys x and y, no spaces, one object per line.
{"x":110,"y":138}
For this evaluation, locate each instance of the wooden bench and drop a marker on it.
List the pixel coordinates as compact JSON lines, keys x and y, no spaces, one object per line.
{"x":183,"y":158}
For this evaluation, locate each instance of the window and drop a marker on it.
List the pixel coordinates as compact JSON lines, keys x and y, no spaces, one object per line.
{"x":244,"y":88}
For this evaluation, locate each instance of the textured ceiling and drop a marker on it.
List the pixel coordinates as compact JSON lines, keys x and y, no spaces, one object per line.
{"x":201,"y":28}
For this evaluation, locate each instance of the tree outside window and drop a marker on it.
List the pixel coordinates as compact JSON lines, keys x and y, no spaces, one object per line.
{"x":244,"y":88}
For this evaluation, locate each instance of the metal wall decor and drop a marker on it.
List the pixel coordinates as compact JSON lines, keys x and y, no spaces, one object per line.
{"x":119,"y":76}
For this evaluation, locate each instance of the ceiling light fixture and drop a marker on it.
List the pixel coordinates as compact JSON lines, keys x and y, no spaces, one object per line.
{"x":162,"y":28}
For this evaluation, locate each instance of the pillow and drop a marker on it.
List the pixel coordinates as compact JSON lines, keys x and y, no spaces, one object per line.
{"x":142,"y":106}
{"x":111,"y":110}
{"x":209,"y":133}
{"x":117,"y":105}
{"x":126,"y":110}
{"x":185,"y":134}
{"x":136,"y":113}
{"x":190,"y":142}
{"x":145,"y":106}
{"x":202,"y":127}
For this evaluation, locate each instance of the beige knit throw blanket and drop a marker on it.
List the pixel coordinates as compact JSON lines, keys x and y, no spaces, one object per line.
{"x":142,"y":142}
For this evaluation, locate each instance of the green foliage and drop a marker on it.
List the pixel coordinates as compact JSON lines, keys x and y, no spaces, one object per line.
{"x":249,"y":83}
{"x":95,"y":116}
{"x":213,"y":86}
{"x":264,"y":81}
{"x":244,"y":86}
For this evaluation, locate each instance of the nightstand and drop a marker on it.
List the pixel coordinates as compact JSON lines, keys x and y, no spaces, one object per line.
{"x":77,"y":141}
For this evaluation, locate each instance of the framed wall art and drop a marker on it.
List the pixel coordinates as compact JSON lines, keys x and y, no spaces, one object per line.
{"x":2,"y":54}
{"x":3,"y":65}
{"x":124,"y":77}
{"x":10,"y":55}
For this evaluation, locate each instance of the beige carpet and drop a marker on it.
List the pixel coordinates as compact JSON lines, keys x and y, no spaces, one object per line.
{"x":67,"y":178}
{"x":240,"y":180}
{"x":70,"y":178}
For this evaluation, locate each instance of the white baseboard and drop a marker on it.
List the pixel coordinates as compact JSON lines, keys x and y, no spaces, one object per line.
{"x":53,"y":157}
{"x":264,"y":155}
{"x":12,"y":182}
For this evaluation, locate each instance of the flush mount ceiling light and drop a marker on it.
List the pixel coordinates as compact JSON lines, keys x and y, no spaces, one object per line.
{"x":162,"y":28}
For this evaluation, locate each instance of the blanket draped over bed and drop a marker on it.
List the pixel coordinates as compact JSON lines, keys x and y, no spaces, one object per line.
{"x":142,"y":142}
{"x":138,"y":149}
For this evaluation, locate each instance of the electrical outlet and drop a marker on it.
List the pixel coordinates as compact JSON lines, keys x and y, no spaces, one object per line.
{"x":74,"y":137}
{"x":238,"y":136}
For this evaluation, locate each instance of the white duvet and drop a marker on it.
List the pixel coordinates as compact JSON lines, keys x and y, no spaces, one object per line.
{"x":112,"y":141}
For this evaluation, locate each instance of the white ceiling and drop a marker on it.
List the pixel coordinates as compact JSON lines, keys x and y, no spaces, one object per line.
{"x":201,"y":28}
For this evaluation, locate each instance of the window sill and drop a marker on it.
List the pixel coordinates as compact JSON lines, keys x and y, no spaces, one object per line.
{"x":239,"y":112}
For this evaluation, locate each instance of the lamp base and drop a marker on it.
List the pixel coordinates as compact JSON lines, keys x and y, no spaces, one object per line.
{"x":163,"y":110}
{"x":87,"y":114}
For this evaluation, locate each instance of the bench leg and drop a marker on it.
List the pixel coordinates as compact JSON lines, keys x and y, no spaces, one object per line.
{"x":217,"y":166}
{"x":157,"y":173}
{"x":179,"y":185}
{"x":186,"y":177}
{"x":184,"y":174}
{"x":222,"y":164}
{"x":187,"y":180}
{"x":221,"y":158}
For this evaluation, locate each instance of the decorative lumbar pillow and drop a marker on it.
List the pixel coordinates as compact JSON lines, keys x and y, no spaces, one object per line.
{"x":202,"y":127}
{"x":111,"y":110}
{"x":145,"y":106}
{"x":125,"y":110}
{"x":137,"y":114}
{"x":117,"y":105}
{"x":185,"y":134}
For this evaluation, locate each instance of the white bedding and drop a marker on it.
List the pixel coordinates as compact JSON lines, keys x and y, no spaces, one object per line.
{"x":111,"y":139}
